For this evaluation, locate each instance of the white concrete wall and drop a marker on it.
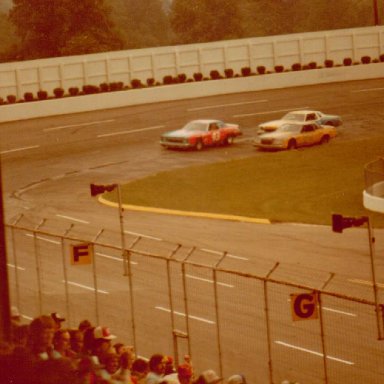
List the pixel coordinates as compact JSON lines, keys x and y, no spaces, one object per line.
{"x":66,"y":105}
{"x":65,"y":72}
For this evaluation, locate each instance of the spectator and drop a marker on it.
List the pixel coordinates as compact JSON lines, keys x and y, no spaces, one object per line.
{"x":170,"y":374}
{"x":84,"y":325}
{"x":88,"y":372}
{"x":185,"y":373}
{"x":40,"y":341}
{"x":156,"y":369}
{"x":57,"y":320}
{"x":20,"y":335}
{"x":111,"y":366}
{"x":123,"y":374}
{"x":77,"y":342}
{"x":139,"y":371}
{"x":102,"y":342}
{"x":62,"y":344}
{"x":58,"y":371}
{"x":208,"y":377}
{"x":120,"y":348}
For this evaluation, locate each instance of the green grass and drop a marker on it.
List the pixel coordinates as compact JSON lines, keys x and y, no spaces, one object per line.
{"x":305,"y":185}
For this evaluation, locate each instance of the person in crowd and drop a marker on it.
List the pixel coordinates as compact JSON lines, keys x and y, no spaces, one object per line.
{"x":110,"y":367}
{"x":58,"y":319}
{"x":102,"y":343}
{"x":120,"y":348}
{"x":62,"y":344}
{"x":156,"y":369}
{"x":40,"y":340}
{"x":208,"y":376}
{"x":53,"y":371}
{"x":139,"y":371}
{"x":185,"y":373}
{"x":20,"y":336}
{"x":84,"y":325}
{"x":77,"y":342}
{"x":88,"y":371}
{"x":170,"y":373}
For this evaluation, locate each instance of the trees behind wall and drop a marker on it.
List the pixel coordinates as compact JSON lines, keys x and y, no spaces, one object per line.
{"x":49,"y":28}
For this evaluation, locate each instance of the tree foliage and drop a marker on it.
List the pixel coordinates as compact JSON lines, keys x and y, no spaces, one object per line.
{"x":206,"y":20}
{"x":49,"y":28}
{"x":141,"y":23}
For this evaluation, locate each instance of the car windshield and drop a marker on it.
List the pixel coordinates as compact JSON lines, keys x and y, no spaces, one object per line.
{"x":290,"y":128}
{"x":294,"y":116}
{"x":195,"y":126}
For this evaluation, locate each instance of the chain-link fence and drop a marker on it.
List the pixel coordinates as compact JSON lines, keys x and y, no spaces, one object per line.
{"x":268,"y":321}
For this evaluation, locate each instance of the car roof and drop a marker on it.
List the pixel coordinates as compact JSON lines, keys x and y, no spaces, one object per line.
{"x":205,"y":121}
{"x":304,"y":111}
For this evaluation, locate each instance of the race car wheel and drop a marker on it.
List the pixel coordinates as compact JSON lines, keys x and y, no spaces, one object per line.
{"x":199,"y":145}
{"x":229,"y":140}
{"x":324,"y":139}
{"x":292,"y":144}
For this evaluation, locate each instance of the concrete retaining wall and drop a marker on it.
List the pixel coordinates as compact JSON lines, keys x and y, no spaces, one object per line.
{"x":66,"y":105}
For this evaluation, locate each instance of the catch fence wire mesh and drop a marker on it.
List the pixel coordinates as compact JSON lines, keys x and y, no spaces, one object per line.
{"x":182,"y":301}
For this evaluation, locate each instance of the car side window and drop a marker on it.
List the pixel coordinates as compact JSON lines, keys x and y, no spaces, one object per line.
{"x":213,"y":127}
{"x":311,"y":116}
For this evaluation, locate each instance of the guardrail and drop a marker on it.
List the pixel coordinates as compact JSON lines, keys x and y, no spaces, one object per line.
{"x":270,"y":323}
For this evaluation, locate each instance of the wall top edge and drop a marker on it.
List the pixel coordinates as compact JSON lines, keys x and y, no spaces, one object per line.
{"x":188,"y":47}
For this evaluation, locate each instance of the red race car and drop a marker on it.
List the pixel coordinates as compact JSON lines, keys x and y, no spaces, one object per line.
{"x":198,"y":134}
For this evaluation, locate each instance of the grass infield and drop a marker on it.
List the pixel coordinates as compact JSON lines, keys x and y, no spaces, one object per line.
{"x":301,"y":186}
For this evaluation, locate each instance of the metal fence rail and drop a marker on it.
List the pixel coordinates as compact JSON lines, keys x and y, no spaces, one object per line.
{"x":181,"y":300}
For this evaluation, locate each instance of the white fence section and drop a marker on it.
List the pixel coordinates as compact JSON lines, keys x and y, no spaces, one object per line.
{"x":123,"y":66}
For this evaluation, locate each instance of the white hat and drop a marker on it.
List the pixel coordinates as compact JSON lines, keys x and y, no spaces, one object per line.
{"x":210,"y":376}
{"x":103,"y":333}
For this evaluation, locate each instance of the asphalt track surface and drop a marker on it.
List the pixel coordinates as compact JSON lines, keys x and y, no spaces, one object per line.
{"x":48,"y":164}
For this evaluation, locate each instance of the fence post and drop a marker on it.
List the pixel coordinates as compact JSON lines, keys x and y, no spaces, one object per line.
{"x":5,"y":318}
{"x":169,"y":282}
{"x":266,"y":308}
{"x":185,"y":296}
{"x":14,"y":252}
{"x":37,"y":259}
{"x":214,"y":271}
{"x":65,"y":273}
{"x":95,"y":277}
{"x":322,"y":337}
